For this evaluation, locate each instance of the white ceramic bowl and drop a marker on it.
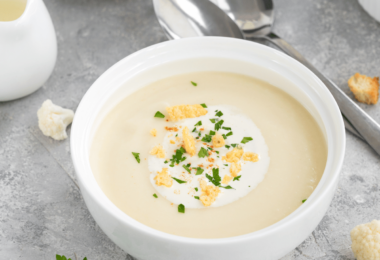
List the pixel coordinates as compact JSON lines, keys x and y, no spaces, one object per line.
{"x":372,"y":7}
{"x":206,"y":54}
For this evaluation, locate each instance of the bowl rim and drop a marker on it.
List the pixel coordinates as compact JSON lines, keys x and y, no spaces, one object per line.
{"x":315,"y":197}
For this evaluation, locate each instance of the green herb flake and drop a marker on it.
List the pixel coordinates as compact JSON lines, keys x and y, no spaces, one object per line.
{"x":224,"y":136}
{"x":234,"y":145}
{"x":215,"y":178}
{"x":229,"y":134}
{"x":196,"y":197}
{"x":219,"y":114}
{"x":196,"y":189}
{"x":159,"y":115}
{"x":204,"y":105}
{"x":198,"y":124}
{"x":194,"y":84}
{"x":195,"y":129}
{"x":202,"y":153}
{"x":237,"y":178}
{"x":199,"y":172}
{"x":227,"y":146}
{"x":155,"y":195}
{"x":207,"y":138}
{"x":303,"y":201}
{"x":213,"y":120}
{"x":181,"y":208}
{"x":227,"y":187}
{"x":166,"y":161}
{"x":137,"y":156}
{"x":226,"y":128}
{"x":186,"y":167}
{"x":212,"y":132}
{"x":176,"y":135}
{"x":246,"y":140}
{"x":217,"y":152}
{"x":218,"y":125}
{"x":178,"y":180}
{"x":225,"y":164}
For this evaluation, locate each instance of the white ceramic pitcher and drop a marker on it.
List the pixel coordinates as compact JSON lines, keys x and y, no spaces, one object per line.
{"x":28,"y":51}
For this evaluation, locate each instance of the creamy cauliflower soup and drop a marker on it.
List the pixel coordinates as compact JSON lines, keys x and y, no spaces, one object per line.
{"x":208,"y":155}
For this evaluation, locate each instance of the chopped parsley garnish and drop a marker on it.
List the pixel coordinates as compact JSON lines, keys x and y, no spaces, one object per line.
{"x":207,"y":138}
{"x":226,"y":128}
{"x":166,"y":161}
{"x":229,"y":134}
{"x":227,"y":187}
{"x":218,"y":125}
{"x":234,"y":145}
{"x":215,"y":178}
{"x":199,"y":123}
{"x":225,"y":164}
{"x":196,"y":197}
{"x":177,"y":157}
{"x":137,"y":156}
{"x":62,"y":257}
{"x":159,"y":114}
{"x":204,"y":105}
{"x":227,"y":146}
{"x":176,"y":135}
{"x":219,"y":114}
{"x":246,"y":140}
{"x":209,"y":148}
{"x":194,"y":84}
{"x":178,"y":180}
{"x":237,"y":178}
{"x":195,"y":129}
{"x":212,"y":132}
{"x":224,"y":136}
{"x":303,"y":201}
{"x":155,"y":195}
{"x":199,"y":134}
{"x":202,"y":153}
{"x":186,"y":168}
{"x":214,"y":120}
{"x":196,"y":189}
{"x":217,"y":152}
{"x":181,"y":208}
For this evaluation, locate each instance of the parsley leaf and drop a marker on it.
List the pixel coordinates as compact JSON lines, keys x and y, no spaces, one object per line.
{"x":204,"y":105}
{"x":246,"y":140}
{"x":181,"y":208}
{"x":199,"y":172}
{"x":202,"y":153}
{"x":195,"y":129}
{"x":303,"y":201}
{"x":159,"y":114}
{"x":166,"y":161}
{"x":207,"y":138}
{"x":137,"y":156}
{"x":186,"y":168}
{"x":217,"y":152}
{"x":224,"y":136}
{"x":196,"y":197}
{"x":178,"y":180}
{"x":155,"y":195}
{"x":194,"y":84}
{"x":234,"y":145}
{"x":212,"y":132}
{"x":226,"y":128}
{"x":218,"y":125}
{"x":196,"y":189}
{"x":225,"y":164}
{"x":227,"y":187}
{"x":213,"y":120}
{"x":237,"y":178}
{"x":199,"y":123}
{"x":229,"y":134}
{"x":219,"y":114}
{"x":215,"y":178}
{"x":227,"y":146}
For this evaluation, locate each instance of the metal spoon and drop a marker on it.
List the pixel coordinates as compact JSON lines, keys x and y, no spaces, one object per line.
{"x":361,"y":121}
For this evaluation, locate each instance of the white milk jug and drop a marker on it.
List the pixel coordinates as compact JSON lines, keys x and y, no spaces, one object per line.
{"x":28,"y":47}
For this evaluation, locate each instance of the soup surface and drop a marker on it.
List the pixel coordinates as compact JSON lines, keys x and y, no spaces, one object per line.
{"x":297,"y":151}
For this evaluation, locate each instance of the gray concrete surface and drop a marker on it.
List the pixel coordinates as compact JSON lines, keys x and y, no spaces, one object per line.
{"x":41,"y":209}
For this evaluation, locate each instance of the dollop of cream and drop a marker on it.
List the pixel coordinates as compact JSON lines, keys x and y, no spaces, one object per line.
{"x":251,"y":173}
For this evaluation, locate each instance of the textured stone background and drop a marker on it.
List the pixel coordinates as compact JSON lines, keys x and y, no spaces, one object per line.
{"x":41,"y":209}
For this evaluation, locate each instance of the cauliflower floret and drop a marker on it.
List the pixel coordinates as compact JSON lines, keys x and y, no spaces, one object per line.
{"x":233,"y":156}
{"x":189,"y":141}
{"x":366,"y":241}
{"x":185,"y":111}
{"x":53,"y":120}
{"x":252,"y":157}
{"x":163,"y":178}
{"x":218,"y":141}
{"x":209,"y":193}
{"x":158,"y":151}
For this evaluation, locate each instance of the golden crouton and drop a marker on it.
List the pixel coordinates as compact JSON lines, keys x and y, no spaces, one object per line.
{"x":163,"y":178}
{"x":252,"y":157}
{"x":218,"y":141}
{"x":158,"y":151}
{"x":153,"y":132}
{"x":209,"y":193}
{"x":365,"y":89}
{"x":189,"y":141}
{"x":226,"y":179}
{"x":235,"y":169}
{"x":233,"y":156}
{"x":185,"y":111}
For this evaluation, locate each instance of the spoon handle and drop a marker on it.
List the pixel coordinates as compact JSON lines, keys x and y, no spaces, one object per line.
{"x":368,"y":128}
